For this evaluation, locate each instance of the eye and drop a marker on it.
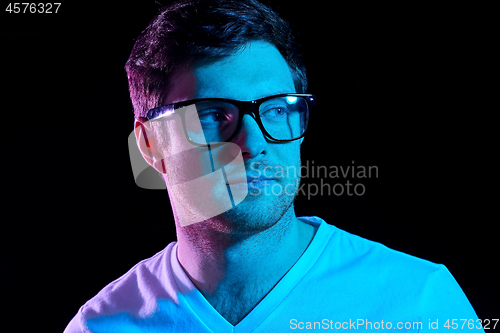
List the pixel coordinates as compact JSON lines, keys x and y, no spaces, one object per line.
{"x":214,"y":115}
{"x":275,"y":112}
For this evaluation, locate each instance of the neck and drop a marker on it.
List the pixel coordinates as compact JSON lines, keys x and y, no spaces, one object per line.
{"x":224,"y":265}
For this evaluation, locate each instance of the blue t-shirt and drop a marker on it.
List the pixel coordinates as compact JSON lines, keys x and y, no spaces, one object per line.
{"x":341,"y":282}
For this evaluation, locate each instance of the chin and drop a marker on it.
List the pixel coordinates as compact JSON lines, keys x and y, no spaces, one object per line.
{"x":256,"y":214}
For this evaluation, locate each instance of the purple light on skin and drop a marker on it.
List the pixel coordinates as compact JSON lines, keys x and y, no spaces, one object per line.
{"x":145,"y":176}
{"x":198,"y":177}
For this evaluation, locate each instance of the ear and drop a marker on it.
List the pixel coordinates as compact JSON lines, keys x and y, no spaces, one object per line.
{"x":147,"y":144}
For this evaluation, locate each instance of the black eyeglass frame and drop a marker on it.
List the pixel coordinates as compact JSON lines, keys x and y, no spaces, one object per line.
{"x":244,"y":107}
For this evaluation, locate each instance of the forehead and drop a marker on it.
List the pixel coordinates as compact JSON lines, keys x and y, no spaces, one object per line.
{"x":259,"y":70}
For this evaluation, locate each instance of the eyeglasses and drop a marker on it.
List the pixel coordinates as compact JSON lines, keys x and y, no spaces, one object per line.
{"x":213,"y":121}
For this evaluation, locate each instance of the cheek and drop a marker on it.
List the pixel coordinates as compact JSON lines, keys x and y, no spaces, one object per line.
{"x":289,"y":154}
{"x":188,"y":165}
{"x":182,"y":160}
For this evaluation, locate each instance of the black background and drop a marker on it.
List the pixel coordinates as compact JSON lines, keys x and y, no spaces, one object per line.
{"x":404,"y":88}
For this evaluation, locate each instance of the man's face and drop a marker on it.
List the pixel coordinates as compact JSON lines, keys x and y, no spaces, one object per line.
{"x":257,"y":71}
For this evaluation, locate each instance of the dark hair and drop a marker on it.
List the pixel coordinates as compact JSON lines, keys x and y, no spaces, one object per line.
{"x":196,"y":32}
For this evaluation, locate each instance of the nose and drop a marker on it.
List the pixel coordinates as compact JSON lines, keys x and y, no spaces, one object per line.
{"x":250,"y":138}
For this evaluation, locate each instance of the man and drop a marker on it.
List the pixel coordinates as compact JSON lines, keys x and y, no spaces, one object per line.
{"x":219,"y":97}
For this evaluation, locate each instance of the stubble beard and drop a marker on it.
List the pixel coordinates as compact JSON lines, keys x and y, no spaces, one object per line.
{"x":259,"y":212}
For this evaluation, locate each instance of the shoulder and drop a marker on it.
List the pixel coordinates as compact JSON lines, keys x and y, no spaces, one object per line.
{"x":134,"y":293}
{"x":364,"y":275}
{"x":387,"y":274}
